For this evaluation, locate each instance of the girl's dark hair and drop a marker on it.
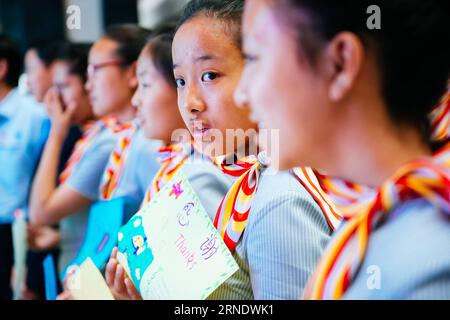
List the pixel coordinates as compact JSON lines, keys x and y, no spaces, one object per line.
{"x":412,"y":47}
{"x":46,"y":51}
{"x":130,"y":38}
{"x":10,"y":52}
{"x":159,"y":46}
{"x":229,"y":11}
{"x":76,"y":56}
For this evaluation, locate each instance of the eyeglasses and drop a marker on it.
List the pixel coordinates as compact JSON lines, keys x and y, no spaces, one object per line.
{"x":93,"y":68}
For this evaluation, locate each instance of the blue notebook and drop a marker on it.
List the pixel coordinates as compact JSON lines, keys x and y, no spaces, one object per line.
{"x":51,"y":289}
{"x":104,"y":222}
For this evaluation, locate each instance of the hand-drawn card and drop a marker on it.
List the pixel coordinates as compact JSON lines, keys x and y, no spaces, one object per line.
{"x":170,"y":248}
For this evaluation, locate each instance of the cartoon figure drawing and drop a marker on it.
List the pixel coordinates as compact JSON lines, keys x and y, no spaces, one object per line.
{"x":139,"y":243}
{"x":133,"y":242}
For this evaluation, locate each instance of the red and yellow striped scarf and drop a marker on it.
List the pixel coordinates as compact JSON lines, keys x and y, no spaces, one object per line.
{"x":428,"y":179}
{"x":90,"y":133}
{"x":172,"y":158}
{"x":232,"y":214}
{"x":343,"y":198}
{"x":117,"y":159}
{"x":332,"y":204}
{"x":440,"y":119}
{"x":350,"y":199}
{"x":424,"y":178}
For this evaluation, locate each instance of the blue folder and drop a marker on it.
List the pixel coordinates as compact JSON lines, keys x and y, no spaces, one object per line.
{"x":104,"y":222}
{"x":51,"y":289}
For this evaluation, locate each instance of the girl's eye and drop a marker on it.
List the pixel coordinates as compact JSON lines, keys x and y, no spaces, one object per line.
{"x":180,"y":83}
{"x":145,"y":85}
{"x":209,"y":76}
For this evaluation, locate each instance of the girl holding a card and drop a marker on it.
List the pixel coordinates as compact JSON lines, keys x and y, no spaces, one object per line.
{"x":281,"y":231}
{"x":156,"y":101}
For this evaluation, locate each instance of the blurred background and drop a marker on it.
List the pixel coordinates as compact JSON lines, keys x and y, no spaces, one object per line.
{"x":33,"y":21}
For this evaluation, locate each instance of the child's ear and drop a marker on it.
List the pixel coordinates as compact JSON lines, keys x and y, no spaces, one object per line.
{"x":133,"y":81}
{"x":344,"y":57}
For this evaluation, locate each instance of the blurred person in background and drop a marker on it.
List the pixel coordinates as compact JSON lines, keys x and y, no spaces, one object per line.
{"x":68,"y":72}
{"x":39,"y":60}
{"x":23,"y":132}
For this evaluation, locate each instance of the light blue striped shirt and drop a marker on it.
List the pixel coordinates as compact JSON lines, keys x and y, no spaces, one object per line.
{"x":407,"y":258}
{"x":285,"y":236}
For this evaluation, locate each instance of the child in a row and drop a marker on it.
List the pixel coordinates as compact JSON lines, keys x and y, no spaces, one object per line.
{"x":283,"y":230}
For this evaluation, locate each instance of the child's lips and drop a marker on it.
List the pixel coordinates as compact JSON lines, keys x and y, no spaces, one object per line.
{"x":199,"y":128}
{"x":200,"y":131}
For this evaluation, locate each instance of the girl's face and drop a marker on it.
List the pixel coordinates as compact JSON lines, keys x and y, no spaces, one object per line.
{"x":207,"y":68}
{"x":284,"y":92}
{"x":39,"y":76}
{"x":110,"y":84}
{"x":156,"y":101}
{"x":72,"y":91}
